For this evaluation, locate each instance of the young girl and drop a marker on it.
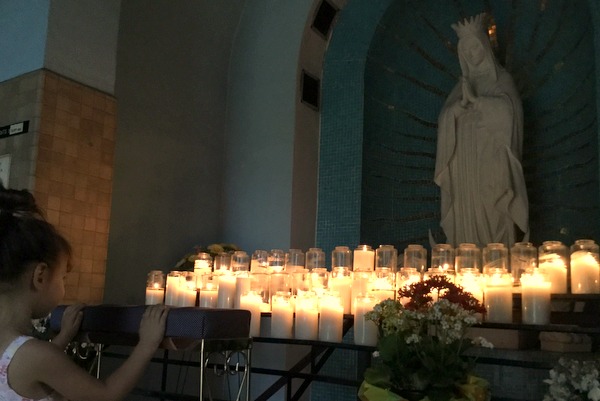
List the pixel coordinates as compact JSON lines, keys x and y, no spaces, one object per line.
{"x":34,"y":260}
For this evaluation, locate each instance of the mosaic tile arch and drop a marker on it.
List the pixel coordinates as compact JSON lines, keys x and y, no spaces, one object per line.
{"x":385,"y":193}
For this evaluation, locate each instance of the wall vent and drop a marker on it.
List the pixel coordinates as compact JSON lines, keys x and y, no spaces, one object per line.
{"x":324,"y":18}
{"x":311,"y":90}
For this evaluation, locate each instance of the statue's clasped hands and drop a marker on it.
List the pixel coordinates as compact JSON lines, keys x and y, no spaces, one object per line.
{"x":468,"y":95}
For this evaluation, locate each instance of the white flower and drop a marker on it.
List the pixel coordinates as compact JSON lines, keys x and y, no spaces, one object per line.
{"x":482,"y":342}
{"x":375,"y":354}
{"x":594,"y":394}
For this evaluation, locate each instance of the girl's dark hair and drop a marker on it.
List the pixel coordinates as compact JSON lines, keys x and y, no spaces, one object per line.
{"x":25,"y":236}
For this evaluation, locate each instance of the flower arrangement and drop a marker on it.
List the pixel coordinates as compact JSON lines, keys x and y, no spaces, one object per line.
{"x":187,"y":261}
{"x":574,"y":380}
{"x":421,"y":345}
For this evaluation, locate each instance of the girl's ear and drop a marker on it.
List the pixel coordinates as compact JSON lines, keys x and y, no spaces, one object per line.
{"x":41,"y":274}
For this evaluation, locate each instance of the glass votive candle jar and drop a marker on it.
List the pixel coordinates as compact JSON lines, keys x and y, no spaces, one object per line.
{"x":187,"y":289}
{"x":319,"y":280}
{"x":222,"y":262}
{"x":252,"y":301}
{"x":386,"y":256}
{"x":155,"y":287}
{"x":467,"y":256}
{"x":294,"y":260}
{"x":495,"y":256}
{"x":300,"y":279}
{"x":535,"y":298}
{"x":280,"y":283}
{"x":227,"y":289}
{"x":442,"y":257}
{"x":470,"y":279}
{"x":383,"y":285}
{"x":365,"y":331}
{"x":553,"y":263}
{"x":523,"y":256}
{"x":340,"y":281}
{"x":404,"y":278}
{"x":240,"y":262}
{"x":415,"y":256}
{"x":172,"y":288}
{"x":364,"y":258}
{"x":260,"y":261}
{"x":243,"y":282}
{"x":203,"y":263}
{"x":498,"y":297}
{"x":260,"y":283}
{"x":282,"y":316}
{"x":208,"y":292}
{"x":341,"y":257}
{"x":331,"y":318}
{"x":585,"y":269}
{"x":276,"y":261}
{"x":306,"y":326}
{"x":361,"y":285}
{"x":315,"y":258}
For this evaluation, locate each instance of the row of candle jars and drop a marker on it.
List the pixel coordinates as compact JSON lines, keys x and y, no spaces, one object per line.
{"x":305,"y":304}
{"x":236,"y":287}
{"x":573,"y":270}
{"x":312,"y":304}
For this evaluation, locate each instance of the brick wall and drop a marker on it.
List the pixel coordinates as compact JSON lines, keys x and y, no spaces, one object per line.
{"x":67,"y":161}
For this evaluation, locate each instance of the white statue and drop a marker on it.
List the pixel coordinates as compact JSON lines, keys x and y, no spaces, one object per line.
{"x":480,"y":135}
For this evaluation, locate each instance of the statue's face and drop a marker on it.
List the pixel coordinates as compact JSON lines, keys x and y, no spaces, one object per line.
{"x":472,"y":50}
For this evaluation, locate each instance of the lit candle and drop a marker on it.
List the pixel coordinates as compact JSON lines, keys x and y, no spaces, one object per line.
{"x":383,"y":285}
{"x":331,"y":320}
{"x":364,"y":258}
{"x":282,"y":317}
{"x":253,"y":302}
{"x":172,"y":291}
{"x":208,"y":296}
{"x":585,"y":273}
{"x":227,"y":291}
{"x":365,"y":331}
{"x":556,"y":270}
{"x":154,"y":296}
{"x":243,"y":283}
{"x":341,"y":282}
{"x":470,"y":280}
{"x":155,"y":291}
{"x":498,"y":298}
{"x":535,"y":298}
{"x":202,"y":266}
{"x":404,"y":278}
{"x":187,"y":289}
{"x":360,"y":286}
{"x":307,"y":317}
{"x":187,"y":297}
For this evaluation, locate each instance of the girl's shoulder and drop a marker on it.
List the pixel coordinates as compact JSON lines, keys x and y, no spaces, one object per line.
{"x":29,"y":351}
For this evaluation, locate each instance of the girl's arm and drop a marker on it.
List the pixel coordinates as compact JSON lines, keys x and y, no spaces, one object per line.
{"x":55,"y":370}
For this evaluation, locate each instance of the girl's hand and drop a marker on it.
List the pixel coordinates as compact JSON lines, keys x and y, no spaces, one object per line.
{"x":69,"y":325}
{"x":152,"y":326}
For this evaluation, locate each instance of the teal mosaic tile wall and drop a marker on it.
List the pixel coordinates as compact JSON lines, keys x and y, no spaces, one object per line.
{"x":340,"y":159}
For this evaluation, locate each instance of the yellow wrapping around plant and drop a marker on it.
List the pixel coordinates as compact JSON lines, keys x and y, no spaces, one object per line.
{"x":475,"y":389}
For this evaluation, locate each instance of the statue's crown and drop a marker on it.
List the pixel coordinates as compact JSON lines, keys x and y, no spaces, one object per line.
{"x":470,"y":26}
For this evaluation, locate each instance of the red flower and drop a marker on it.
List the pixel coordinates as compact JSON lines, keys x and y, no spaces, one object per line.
{"x":420,"y":294}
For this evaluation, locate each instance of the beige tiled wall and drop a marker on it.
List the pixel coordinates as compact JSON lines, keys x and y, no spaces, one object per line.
{"x":70,"y":167}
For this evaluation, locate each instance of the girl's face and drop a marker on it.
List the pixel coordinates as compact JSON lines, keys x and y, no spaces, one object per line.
{"x":56,"y":285}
